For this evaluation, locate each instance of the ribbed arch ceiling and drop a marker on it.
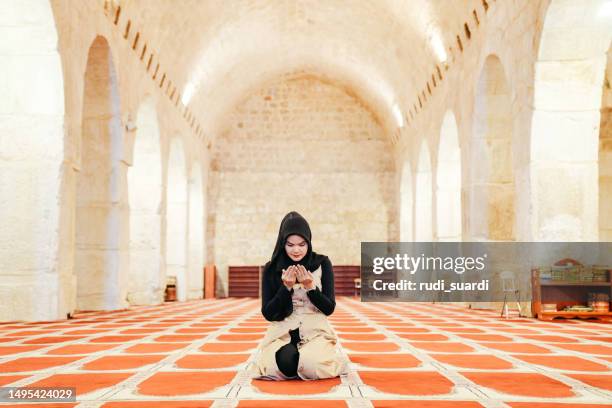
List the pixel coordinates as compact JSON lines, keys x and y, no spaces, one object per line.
{"x":384,"y":50}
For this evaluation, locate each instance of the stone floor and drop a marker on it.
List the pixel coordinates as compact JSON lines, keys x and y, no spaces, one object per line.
{"x":195,"y":354}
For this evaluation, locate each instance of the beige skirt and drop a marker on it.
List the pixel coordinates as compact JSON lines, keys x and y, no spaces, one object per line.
{"x":319,"y":356}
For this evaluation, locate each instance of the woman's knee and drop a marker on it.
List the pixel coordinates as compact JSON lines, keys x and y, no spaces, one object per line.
{"x":317,"y":361}
{"x":287,"y":358}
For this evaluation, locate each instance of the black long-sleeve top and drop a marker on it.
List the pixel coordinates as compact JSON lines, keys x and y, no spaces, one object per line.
{"x":276,"y":302}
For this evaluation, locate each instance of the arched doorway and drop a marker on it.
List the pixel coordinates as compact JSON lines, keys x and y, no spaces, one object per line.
{"x":448,"y":182}
{"x":145,"y":195}
{"x":406,"y":205}
{"x":423,"y":199}
{"x":176,"y":218}
{"x":99,"y":222}
{"x":196,"y":234}
{"x":492,"y":190}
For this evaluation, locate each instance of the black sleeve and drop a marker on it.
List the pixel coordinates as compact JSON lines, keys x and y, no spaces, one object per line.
{"x":275,"y":300}
{"x":324,"y":300}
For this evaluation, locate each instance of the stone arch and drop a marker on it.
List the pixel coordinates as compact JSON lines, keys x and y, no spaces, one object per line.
{"x":176,"y":217}
{"x":492,"y":189}
{"x":406,"y":204}
{"x":145,"y":284}
{"x":567,"y":123}
{"x":100,"y":203}
{"x":31,"y":155}
{"x":423,"y":230}
{"x":448,"y":182}
{"x":197,"y":222}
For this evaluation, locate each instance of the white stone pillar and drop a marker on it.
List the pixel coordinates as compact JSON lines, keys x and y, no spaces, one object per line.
{"x":31,"y":153}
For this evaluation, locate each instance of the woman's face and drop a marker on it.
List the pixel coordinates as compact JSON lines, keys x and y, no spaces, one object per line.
{"x":296,"y":247}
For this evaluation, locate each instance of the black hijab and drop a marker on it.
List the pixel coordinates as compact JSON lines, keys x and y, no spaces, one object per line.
{"x":293,"y":224}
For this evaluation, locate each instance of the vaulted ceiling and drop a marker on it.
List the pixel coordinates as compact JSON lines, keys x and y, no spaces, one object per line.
{"x":384,"y":51}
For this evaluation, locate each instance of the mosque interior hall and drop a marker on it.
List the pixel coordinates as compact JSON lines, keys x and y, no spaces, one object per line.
{"x":149,"y":150}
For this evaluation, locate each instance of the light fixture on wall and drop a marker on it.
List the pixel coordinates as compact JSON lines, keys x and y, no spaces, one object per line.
{"x":438,"y":46}
{"x":397,"y":113}
{"x":187,"y":93}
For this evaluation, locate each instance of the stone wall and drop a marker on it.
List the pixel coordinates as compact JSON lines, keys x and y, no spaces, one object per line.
{"x":306,"y":145}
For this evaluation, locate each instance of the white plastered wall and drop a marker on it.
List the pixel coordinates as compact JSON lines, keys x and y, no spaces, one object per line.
{"x":456,"y":93}
{"x":31,"y":151}
{"x":47,"y":104}
{"x":569,"y":78}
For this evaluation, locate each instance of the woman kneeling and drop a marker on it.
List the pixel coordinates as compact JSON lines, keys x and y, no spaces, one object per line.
{"x":297,"y":296}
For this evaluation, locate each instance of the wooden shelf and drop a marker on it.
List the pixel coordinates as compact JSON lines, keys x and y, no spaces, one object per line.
{"x":566,"y":293}
{"x":570,"y":315}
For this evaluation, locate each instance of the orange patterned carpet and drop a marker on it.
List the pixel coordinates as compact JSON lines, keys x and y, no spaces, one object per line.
{"x":195,"y":354}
